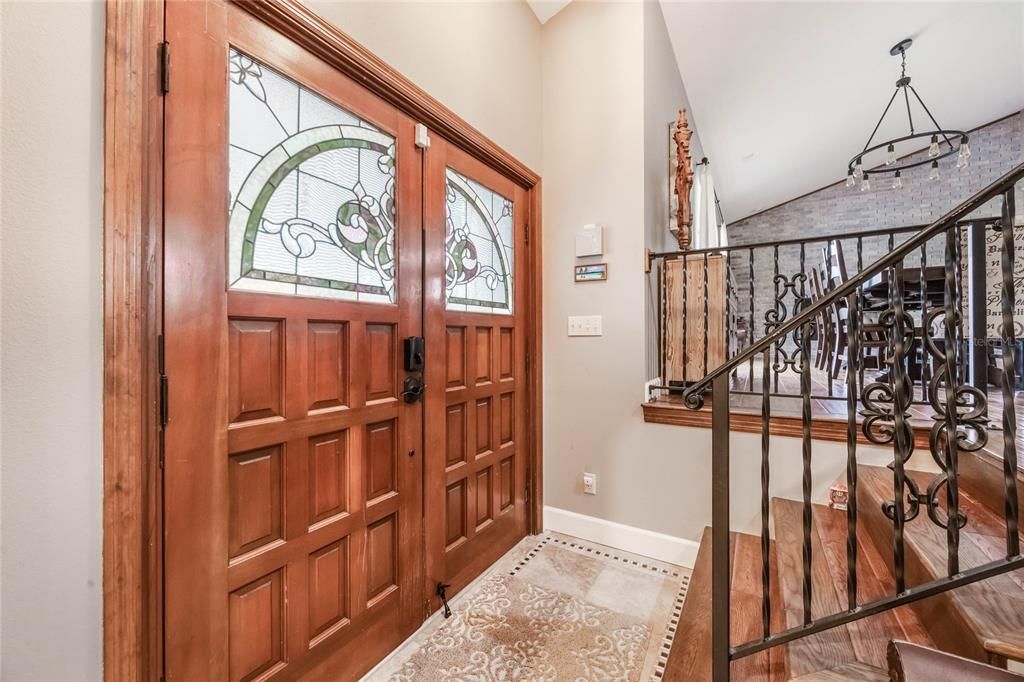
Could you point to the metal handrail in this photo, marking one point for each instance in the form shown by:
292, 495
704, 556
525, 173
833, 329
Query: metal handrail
693, 396
879, 232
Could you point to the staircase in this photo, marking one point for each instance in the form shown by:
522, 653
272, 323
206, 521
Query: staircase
983, 621
819, 593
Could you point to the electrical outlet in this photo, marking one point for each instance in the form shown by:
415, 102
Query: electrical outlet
589, 483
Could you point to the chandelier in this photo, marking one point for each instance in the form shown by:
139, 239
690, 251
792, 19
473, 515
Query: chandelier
942, 142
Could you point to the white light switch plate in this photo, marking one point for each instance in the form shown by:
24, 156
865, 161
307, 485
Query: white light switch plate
584, 325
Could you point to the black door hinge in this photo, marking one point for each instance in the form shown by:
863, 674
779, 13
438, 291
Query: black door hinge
527, 493
161, 381
527, 233
165, 67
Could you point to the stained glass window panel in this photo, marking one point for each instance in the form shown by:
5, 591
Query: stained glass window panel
312, 192
479, 247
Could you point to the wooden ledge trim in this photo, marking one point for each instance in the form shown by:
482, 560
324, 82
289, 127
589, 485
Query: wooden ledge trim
822, 428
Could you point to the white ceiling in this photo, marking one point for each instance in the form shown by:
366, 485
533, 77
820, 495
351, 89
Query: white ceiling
783, 94
545, 9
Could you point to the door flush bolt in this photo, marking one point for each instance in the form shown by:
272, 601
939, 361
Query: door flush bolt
442, 593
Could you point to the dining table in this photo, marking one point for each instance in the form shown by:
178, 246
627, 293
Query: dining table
876, 289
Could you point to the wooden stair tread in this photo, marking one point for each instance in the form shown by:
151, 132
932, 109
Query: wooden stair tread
690, 657
1009, 645
857, 672
985, 610
861, 642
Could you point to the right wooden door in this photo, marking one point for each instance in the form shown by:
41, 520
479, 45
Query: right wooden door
475, 296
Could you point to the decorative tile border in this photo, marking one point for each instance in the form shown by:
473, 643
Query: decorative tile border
596, 551
670, 629
529, 555
602, 551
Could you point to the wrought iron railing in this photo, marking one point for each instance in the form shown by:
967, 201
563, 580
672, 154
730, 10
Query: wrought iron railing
769, 282
959, 414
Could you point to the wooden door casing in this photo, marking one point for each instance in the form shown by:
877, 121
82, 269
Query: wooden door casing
293, 468
476, 399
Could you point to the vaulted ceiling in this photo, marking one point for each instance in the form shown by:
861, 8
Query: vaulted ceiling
545, 9
783, 94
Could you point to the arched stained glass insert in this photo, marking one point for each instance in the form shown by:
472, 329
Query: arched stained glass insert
312, 192
479, 247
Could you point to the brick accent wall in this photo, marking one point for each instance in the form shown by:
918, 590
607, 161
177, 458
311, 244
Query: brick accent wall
838, 211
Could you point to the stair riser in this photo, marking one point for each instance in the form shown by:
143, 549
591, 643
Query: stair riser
982, 474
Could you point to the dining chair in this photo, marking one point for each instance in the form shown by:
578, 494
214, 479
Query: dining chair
822, 326
834, 271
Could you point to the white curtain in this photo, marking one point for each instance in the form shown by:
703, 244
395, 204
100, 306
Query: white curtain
707, 232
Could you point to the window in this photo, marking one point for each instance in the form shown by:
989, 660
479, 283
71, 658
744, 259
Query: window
312, 192
479, 247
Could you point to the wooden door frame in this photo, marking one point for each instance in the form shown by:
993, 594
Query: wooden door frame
132, 297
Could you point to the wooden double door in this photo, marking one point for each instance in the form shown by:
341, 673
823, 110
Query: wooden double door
323, 471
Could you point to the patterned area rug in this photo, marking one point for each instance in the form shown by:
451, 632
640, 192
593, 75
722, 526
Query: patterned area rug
553, 608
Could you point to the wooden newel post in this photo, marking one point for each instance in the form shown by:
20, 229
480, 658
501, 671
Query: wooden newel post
684, 179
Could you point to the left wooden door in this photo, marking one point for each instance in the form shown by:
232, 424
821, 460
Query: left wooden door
293, 266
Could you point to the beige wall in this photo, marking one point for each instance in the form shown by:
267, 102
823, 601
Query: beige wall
479, 58
51, 121
651, 476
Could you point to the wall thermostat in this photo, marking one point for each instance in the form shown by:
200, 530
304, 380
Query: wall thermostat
589, 241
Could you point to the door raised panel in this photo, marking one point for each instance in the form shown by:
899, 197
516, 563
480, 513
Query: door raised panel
256, 629
506, 357
483, 355
381, 378
255, 496
456, 497
328, 365
328, 590
484, 497
506, 484
455, 431
506, 421
455, 356
328, 476
256, 356
380, 459
483, 426
381, 558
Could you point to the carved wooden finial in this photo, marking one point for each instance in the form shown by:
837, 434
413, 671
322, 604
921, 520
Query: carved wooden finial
684, 179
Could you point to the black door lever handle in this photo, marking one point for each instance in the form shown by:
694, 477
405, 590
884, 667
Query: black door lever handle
412, 389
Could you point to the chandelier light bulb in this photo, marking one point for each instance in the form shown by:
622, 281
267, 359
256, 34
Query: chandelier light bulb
858, 170
933, 148
891, 158
897, 181
865, 184
850, 180
934, 174
964, 155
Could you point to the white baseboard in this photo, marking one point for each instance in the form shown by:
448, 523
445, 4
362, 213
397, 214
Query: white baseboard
647, 543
